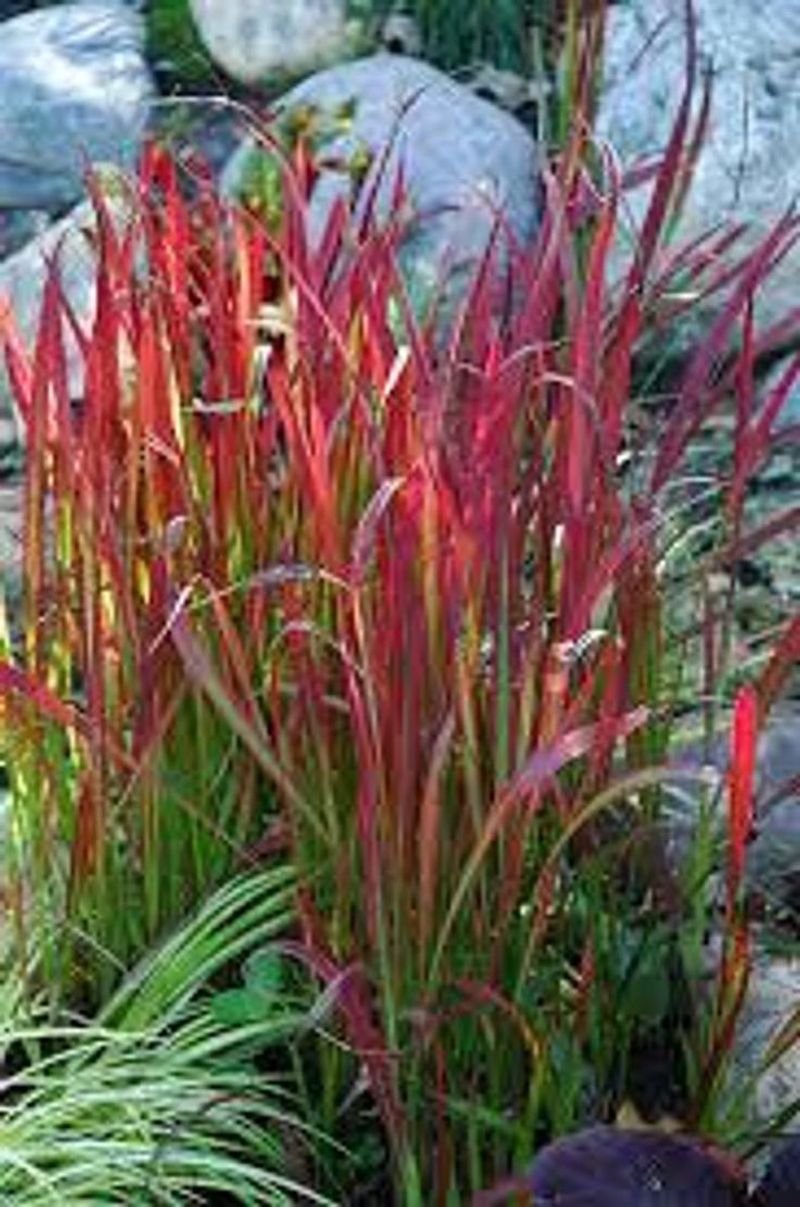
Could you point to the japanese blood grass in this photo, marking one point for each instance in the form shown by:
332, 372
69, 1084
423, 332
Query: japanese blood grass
323, 580
471, 674
131, 797
155, 1100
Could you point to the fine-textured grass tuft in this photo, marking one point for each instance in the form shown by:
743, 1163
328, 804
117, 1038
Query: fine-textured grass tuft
156, 1101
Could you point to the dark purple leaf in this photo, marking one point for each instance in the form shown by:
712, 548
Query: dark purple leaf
781, 1184
609, 1167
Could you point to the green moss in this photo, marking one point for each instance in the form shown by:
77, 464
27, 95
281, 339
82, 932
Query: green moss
174, 44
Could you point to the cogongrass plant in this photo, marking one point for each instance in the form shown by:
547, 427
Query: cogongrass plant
156, 1100
392, 598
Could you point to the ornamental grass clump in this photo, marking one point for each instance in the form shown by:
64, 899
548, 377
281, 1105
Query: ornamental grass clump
306, 578
156, 1100
131, 796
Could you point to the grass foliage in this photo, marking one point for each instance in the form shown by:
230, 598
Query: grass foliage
156, 1100
514, 35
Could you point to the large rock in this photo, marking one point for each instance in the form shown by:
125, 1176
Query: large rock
13, 8
790, 412
769, 1006
22, 281
773, 858
749, 168
74, 89
464, 161
251, 39
771, 1002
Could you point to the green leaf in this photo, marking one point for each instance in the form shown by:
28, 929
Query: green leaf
263, 974
648, 992
260, 996
238, 1007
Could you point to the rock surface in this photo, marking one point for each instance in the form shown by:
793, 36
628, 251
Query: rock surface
749, 168
22, 280
774, 859
75, 89
773, 862
790, 412
401, 34
12, 8
250, 39
781, 1186
772, 998
464, 161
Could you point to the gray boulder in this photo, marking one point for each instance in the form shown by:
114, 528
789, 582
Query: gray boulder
770, 1004
22, 280
251, 39
773, 860
11, 557
74, 89
13, 8
790, 412
464, 161
749, 168
401, 34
